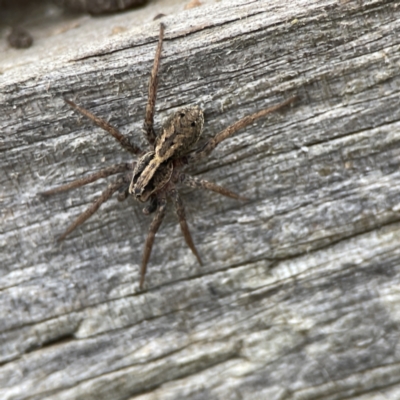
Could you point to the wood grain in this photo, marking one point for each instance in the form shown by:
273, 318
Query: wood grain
299, 297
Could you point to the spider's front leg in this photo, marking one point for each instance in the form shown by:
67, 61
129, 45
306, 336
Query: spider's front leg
123, 140
151, 101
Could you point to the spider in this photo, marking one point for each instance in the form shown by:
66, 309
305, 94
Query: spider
157, 173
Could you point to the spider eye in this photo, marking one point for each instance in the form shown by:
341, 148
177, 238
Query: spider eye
193, 124
181, 115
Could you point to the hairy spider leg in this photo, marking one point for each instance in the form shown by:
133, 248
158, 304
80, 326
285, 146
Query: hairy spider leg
123, 140
103, 173
105, 195
230, 130
151, 101
197, 183
154, 226
180, 211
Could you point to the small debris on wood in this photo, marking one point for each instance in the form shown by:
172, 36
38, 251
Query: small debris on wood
19, 38
66, 27
192, 4
158, 16
118, 29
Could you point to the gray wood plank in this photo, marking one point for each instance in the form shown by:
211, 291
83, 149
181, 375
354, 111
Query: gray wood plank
299, 295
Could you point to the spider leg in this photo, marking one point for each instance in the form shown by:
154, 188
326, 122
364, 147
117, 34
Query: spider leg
149, 118
180, 211
230, 130
123, 140
150, 208
155, 225
103, 173
112, 187
197, 183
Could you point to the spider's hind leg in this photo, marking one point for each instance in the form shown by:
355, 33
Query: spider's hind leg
197, 183
209, 146
155, 225
180, 211
103, 173
112, 188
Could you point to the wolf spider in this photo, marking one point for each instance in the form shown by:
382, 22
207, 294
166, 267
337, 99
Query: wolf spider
157, 173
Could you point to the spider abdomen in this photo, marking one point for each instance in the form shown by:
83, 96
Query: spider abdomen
160, 177
180, 133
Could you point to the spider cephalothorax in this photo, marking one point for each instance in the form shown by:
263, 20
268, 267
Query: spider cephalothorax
157, 173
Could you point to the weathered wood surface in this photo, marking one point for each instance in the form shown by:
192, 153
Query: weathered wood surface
300, 294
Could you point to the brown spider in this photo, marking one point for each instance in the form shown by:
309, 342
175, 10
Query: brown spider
157, 173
